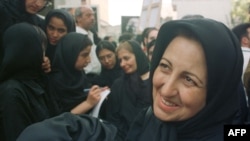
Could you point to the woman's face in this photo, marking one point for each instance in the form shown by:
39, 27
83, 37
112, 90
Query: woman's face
83, 58
127, 61
179, 81
34, 6
107, 58
55, 30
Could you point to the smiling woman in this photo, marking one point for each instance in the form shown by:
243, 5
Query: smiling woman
190, 79
191, 75
179, 87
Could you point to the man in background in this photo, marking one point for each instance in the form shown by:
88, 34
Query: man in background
85, 20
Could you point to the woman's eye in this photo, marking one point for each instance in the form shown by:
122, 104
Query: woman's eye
164, 66
189, 80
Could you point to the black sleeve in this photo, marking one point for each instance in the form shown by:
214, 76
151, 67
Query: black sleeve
69, 127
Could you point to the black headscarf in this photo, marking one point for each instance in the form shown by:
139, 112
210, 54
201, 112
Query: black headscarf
17, 42
67, 82
224, 68
67, 20
132, 83
12, 12
129, 94
107, 76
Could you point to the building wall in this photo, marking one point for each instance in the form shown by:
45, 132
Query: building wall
103, 15
215, 9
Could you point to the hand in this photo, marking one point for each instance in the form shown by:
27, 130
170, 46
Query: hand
46, 65
94, 95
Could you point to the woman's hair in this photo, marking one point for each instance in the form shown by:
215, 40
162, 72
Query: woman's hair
146, 32
44, 40
125, 45
104, 45
67, 19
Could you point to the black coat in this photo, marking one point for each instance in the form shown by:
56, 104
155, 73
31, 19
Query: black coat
66, 83
22, 102
23, 99
69, 127
129, 94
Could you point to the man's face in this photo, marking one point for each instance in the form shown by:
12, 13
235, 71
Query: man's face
34, 6
87, 20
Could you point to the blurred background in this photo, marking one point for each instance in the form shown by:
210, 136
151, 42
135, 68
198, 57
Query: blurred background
113, 17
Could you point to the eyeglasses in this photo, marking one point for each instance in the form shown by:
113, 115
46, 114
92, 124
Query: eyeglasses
42, 2
109, 56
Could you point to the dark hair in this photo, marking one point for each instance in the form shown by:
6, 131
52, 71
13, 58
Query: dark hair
106, 37
65, 16
241, 30
146, 32
43, 36
151, 44
125, 37
104, 45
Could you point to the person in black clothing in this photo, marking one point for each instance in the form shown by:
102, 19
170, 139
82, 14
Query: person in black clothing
67, 79
130, 92
17, 11
23, 99
191, 77
70, 127
57, 24
111, 69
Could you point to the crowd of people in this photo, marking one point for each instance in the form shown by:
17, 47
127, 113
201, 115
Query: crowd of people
183, 81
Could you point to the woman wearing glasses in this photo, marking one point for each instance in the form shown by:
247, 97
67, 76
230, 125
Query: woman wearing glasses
111, 69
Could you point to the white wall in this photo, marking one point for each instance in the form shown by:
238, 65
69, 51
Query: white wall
215, 9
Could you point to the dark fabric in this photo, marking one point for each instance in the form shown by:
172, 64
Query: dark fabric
224, 68
69, 23
23, 100
12, 12
129, 94
69, 127
108, 76
242, 115
67, 83
19, 42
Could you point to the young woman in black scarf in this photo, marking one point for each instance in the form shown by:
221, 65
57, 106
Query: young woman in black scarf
111, 69
67, 79
23, 99
130, 92
17, 11
196, 77
57, 24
